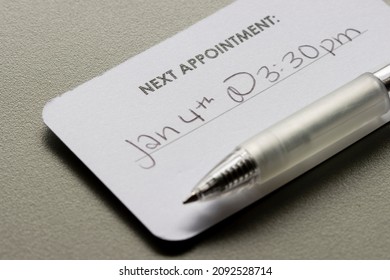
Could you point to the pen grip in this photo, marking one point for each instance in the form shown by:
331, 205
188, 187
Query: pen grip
320, 130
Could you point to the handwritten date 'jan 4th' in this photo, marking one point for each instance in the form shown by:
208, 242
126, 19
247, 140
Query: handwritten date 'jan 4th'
241, 87
156, 140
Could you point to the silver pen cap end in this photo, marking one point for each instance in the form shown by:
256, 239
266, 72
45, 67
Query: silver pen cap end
383, 74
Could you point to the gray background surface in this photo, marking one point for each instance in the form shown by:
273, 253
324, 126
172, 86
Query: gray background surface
53, 207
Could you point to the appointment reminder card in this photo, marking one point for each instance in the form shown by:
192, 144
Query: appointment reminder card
153, 126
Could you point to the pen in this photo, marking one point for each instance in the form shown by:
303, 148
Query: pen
301, 141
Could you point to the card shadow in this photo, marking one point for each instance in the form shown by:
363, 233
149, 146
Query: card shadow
260, 212
57, 147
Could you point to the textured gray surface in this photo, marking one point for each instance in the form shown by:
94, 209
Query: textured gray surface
52, 207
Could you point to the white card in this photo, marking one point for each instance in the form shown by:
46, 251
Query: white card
153, 126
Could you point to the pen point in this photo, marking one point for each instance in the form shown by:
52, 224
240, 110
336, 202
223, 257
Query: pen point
192, 198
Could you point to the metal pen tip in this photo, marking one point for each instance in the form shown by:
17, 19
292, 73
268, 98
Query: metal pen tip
192, 198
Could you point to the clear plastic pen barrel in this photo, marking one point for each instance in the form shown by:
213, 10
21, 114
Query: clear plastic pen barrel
317, 132
301, 141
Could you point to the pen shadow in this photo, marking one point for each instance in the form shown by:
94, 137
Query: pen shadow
263, 211
267, 209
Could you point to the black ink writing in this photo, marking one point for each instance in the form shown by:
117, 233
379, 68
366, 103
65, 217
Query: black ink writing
146, 144
240, 87
292, 60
